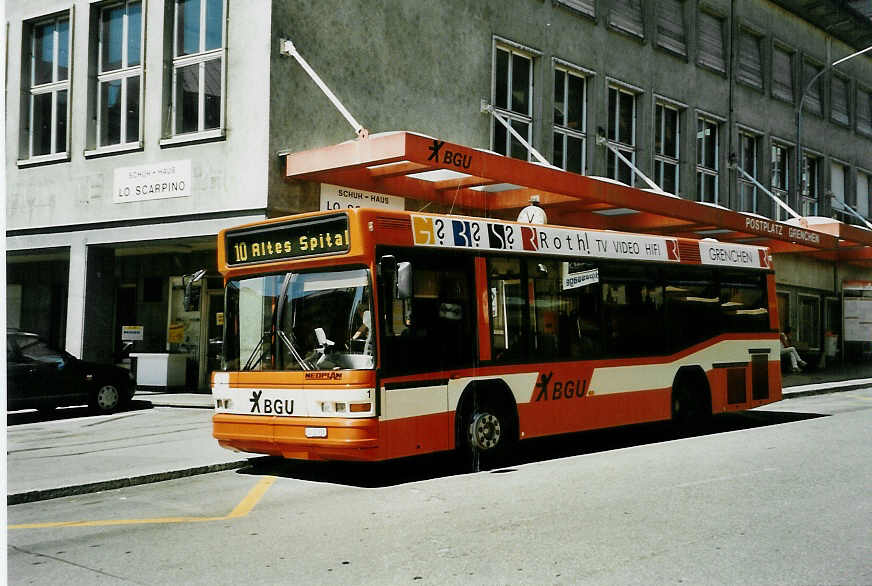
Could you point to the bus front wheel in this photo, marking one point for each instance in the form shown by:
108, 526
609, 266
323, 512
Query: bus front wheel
487, 435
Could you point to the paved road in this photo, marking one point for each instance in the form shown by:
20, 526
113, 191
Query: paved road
777, 496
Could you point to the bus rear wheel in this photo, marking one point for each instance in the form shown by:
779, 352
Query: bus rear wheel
690, 410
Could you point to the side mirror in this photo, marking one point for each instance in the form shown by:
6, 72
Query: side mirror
191, 301
404, 280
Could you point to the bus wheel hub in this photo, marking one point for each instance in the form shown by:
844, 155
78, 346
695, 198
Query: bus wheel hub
484, 431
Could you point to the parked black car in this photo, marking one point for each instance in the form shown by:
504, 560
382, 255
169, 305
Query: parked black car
41, 377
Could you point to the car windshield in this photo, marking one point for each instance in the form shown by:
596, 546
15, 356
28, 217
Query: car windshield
299, 321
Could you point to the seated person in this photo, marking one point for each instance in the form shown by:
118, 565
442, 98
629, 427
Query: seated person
788, 349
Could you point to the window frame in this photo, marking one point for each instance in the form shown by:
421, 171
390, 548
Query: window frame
715, 63
661, 158
864, 123
199, 58
809, 198
674, 44
702, 170
776, 86
843, 81
507, 112
781, 189
53, 88
746, 134
629, 150
749, 73
563, 130
124, 73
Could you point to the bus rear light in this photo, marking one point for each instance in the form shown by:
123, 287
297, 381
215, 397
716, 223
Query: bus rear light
360, 407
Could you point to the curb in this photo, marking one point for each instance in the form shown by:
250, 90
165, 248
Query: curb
53, 493
824, 388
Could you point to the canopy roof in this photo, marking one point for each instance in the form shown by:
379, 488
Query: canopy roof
432, 170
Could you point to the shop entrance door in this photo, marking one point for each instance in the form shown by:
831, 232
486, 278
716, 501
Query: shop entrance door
214, 334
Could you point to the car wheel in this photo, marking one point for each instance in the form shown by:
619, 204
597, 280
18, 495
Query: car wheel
107, 398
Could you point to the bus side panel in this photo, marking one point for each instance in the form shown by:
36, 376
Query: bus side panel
422, 434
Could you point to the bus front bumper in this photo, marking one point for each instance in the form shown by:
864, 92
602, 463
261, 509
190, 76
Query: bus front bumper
302, 438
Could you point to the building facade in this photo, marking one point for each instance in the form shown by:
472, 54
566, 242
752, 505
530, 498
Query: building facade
136, 129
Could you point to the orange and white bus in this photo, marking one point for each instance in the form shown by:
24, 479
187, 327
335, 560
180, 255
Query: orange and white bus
374, 334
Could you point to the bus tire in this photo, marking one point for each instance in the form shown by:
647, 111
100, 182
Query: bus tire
691, 400
486, 430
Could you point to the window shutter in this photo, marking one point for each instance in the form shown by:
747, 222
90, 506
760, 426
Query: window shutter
626, 15
584, 6
750, 68
711, 41
782, 74
670, 26
813, 95
864, 111
839, 90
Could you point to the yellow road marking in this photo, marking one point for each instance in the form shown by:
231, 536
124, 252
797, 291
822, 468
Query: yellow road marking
242, 509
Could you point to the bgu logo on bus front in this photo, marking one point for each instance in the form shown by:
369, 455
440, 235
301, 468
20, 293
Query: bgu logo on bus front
270, 406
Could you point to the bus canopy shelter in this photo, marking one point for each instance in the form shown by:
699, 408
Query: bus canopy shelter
485, 183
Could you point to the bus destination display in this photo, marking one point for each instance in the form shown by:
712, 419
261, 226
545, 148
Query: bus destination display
324, 235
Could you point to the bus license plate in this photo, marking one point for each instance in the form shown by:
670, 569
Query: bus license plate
316, 432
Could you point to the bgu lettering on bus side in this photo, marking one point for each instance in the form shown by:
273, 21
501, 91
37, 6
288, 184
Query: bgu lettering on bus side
565, 389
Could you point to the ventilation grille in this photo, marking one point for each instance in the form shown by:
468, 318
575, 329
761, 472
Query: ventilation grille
689, 252
736, 385
760, 377
394, 224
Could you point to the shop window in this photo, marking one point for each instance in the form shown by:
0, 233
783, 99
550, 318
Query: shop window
808, 328
667, 141
198, 80
513, 99
622, 134
710, 41
570, 104
45, 72
707, 160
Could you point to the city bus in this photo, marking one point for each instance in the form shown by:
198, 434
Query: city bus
368, 334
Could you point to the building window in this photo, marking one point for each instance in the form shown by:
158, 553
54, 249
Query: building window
666, 147
707, 160
622, 134
513, 99
782, 74
810, 177
626, 16
839, 98
813, 95
864, 111
748, 163
198, 66
864, 194
587, 7
670, 26
570, 105
711, 42
750, 62
119, 74
839, 189
780, 177
49, 86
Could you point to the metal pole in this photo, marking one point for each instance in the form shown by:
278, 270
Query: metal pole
485, 107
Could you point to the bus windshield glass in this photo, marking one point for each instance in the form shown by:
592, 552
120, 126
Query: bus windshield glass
299, 321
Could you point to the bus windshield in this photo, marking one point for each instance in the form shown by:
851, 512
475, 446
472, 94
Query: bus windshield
299, 321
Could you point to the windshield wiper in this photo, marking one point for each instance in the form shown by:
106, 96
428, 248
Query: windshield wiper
292, 348
257, 352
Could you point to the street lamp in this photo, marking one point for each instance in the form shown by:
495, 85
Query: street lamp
799, 172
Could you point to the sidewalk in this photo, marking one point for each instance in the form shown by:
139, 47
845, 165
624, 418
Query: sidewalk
57, 458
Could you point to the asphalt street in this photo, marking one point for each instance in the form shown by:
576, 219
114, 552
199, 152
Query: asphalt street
778, 495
